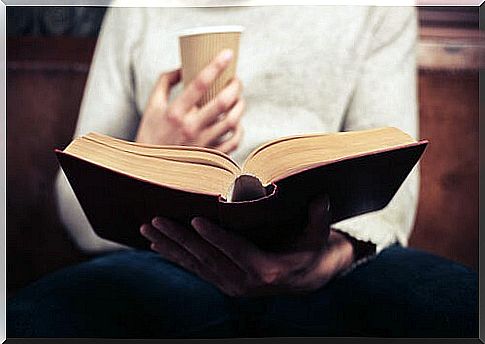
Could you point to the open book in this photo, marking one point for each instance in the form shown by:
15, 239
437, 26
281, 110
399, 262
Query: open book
122, 184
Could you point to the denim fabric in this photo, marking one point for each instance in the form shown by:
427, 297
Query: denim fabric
137, 294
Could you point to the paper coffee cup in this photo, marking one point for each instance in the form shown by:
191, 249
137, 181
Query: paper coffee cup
199, 46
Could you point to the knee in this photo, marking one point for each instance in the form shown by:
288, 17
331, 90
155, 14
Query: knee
416, 294
19, 316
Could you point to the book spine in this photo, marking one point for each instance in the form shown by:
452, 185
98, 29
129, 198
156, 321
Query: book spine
268, 221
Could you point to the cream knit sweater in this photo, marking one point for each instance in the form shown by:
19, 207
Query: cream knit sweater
304, 69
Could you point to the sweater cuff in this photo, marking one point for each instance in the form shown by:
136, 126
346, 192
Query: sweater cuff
373, 228
363, 251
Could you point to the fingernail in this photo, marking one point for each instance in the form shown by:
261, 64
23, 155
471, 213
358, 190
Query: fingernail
142, 229
157, 222
226, 55
195, 222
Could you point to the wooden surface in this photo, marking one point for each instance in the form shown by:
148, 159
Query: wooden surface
448, 16
45, 81
450, 50
447, 219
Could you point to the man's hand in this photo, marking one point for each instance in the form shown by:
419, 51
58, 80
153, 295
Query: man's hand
239, 268
183, 123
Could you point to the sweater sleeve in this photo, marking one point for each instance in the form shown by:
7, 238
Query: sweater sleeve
385, 95
108, 107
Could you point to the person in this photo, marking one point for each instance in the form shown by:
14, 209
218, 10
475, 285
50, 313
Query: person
304, 69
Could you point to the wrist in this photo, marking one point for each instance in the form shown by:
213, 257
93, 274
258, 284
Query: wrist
359, 249
343, 249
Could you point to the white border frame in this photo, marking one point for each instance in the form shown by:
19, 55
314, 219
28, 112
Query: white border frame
147, 3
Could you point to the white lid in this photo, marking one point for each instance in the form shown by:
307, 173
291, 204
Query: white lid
210, 29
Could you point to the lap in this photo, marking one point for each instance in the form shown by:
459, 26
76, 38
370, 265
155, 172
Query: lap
124, 294
401, 292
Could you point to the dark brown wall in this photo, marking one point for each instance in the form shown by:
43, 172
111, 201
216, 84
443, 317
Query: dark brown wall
45, 81
447, 219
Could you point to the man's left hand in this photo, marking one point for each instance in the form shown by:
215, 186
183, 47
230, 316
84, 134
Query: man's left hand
239, 268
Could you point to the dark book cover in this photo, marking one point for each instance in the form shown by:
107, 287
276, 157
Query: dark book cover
116, 204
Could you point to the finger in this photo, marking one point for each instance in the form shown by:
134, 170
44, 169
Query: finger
174, 253
318, 228
189, 240
212, 135
196, 121
233, 142
239, 250
150, 233
316, 233
319, 216
209, 256
161, 91
222, 103
328, 265
199, 86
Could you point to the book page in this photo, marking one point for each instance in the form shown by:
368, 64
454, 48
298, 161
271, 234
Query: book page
291, 155
189, 154
191, 176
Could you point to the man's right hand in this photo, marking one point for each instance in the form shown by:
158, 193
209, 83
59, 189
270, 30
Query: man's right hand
182, 122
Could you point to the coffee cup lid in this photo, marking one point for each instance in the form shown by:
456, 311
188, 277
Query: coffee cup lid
210, 29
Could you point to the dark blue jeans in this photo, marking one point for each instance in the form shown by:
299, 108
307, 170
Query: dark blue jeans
137, 294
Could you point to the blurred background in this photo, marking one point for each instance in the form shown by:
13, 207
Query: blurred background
54, 21
49, 50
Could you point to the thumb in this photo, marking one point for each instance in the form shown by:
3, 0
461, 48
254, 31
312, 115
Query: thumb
161, 91
319, 218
